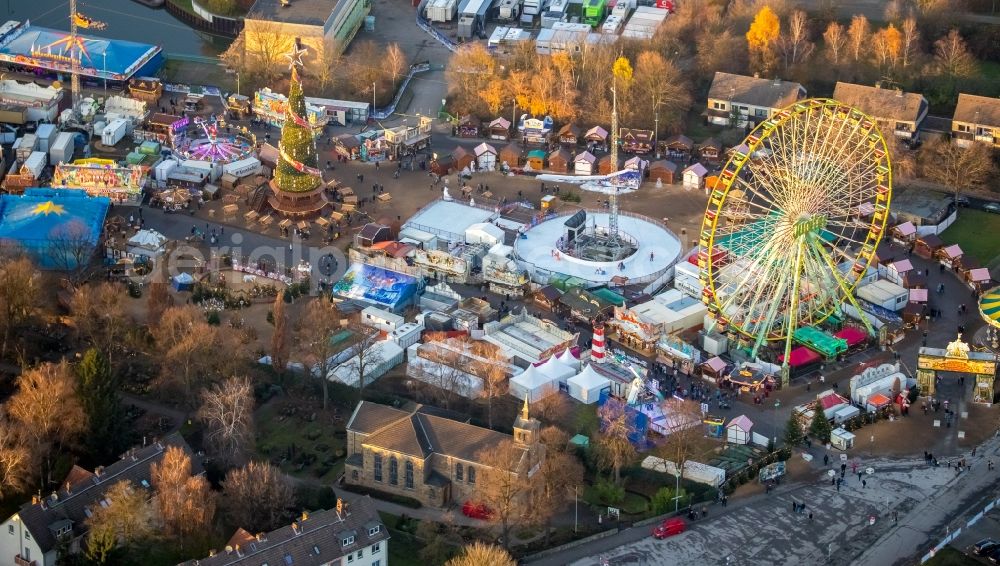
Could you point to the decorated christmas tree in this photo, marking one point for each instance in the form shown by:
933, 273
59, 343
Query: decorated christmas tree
297, 170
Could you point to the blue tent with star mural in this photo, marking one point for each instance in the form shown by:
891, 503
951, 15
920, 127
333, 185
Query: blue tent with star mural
58, 228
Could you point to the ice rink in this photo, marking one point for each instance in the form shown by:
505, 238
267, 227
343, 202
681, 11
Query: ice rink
537, 249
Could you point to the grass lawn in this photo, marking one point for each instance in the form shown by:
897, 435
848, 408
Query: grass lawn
318, 451
968, 232
951, 557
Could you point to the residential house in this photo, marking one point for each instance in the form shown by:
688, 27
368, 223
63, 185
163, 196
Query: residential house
420, 454
353, 533
899, 114
739, 100
977, 118
49, 525
317, 24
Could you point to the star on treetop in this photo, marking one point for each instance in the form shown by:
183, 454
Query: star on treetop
295, 56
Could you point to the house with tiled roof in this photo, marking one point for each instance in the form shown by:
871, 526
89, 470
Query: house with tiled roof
976, 118
38, 531
424, 454
899, 114
739, 100
352, 534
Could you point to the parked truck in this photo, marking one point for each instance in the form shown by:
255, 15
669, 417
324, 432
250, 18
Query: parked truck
509, 10
441, 10
594, 11
114, 132
532, 7
35, 164
46, 133
61, 149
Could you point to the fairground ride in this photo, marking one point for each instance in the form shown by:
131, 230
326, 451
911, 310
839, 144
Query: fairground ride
786, 216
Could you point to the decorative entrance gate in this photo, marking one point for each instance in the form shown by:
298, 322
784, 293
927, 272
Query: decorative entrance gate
958, 358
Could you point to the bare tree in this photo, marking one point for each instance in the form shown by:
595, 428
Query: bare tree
835, 39
266, 43
481, 554
280, 345
503, 486
15, 458
659, 90
71, 247
794, 43
19, 296
962, 168
495, 373
449, 371
367, 68
367, 352
186, 503
98, 313
395, 63
911, 40
128, 517
685, 434
723, 51
157, 302
257, 497
315, 339
227, 411
189, 348
559, 474
326, 64
952, 58
858, 37
614, 448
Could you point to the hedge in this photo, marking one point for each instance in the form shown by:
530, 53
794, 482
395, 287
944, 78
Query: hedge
383, 495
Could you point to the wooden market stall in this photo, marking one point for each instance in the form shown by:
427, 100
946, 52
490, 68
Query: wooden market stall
663, 171
486, 157
979, 279
710, 149
568, 135
903, 234
443, 165
605, 166
927, 246
677, 147
713, 369
583, 163
468, 127
462, 158
547, 297
950, 256
499, 129
559, 160
511, 155
634, 140
596, 138
536, 160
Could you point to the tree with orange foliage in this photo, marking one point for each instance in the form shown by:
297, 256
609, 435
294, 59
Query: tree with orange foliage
185, 503
764, 32
887, 46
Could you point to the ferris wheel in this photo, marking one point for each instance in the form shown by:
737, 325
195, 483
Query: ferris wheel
792, 224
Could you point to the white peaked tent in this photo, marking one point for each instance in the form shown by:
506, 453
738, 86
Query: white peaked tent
586, 386
533, 384
569, 359
557, 370
484, 233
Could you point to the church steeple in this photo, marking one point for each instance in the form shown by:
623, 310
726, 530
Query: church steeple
526, 429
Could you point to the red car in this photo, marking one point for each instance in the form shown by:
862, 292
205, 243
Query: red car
476, 510
669, 528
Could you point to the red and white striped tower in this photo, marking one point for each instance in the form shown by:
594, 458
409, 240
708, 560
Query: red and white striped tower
597, 346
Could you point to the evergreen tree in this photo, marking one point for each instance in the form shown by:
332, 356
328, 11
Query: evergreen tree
297, 170
98, 390
820, 427
793, 432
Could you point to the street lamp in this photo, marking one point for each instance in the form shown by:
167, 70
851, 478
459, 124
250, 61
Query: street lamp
105, 55
373, 98
237, 83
